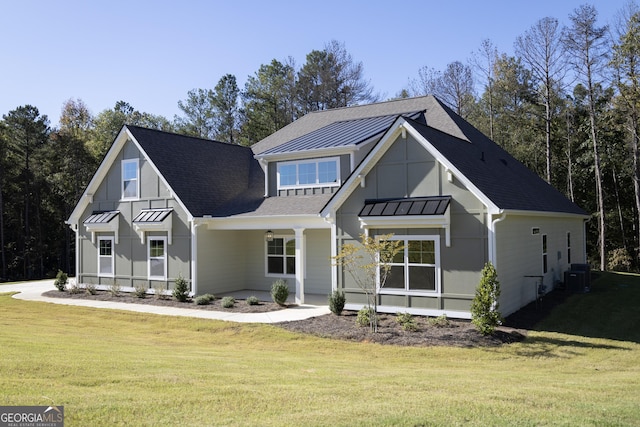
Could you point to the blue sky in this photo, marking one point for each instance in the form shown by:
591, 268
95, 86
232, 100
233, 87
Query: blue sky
151, 53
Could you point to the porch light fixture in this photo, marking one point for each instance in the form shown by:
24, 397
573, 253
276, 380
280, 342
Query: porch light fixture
268, 236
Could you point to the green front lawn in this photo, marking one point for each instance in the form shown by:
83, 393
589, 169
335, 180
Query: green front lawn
117, 368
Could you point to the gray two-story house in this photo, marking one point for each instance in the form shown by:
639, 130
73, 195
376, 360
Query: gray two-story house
230, 218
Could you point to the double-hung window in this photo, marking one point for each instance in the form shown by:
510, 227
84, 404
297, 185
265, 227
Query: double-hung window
415, 269
309, 173
130, 179
281, 256
105, 256
157, 247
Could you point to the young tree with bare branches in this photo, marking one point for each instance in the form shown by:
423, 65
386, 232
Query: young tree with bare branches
587, 46
542, 50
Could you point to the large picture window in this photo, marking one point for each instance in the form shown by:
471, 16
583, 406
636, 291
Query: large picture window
281, 256
309, 173
130, 179
157, 258
415, 269
105, 256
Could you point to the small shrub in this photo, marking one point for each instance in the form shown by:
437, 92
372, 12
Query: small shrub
228, 302
440, 321
140, 291
204, 299
181, 289
75, 289
159, 292
61, 281
484, 308
336, 302
91, 289
201, 300
280, 292
364, 316
407, 322
253, 300
115, 290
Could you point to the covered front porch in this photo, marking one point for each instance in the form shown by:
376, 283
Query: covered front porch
245, 256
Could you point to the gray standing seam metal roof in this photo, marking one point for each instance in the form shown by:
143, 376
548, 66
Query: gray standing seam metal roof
311, 122
152, 215
340, 134
436, 205
101, 217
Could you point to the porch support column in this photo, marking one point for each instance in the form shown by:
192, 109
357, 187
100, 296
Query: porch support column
300, 256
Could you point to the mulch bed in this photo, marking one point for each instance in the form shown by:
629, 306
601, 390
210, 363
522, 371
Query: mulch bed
457, 333
241, 306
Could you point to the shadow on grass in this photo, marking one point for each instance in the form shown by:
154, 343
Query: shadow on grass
610, 310
558, 348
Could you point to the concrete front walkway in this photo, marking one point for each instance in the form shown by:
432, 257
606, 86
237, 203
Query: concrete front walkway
32, 291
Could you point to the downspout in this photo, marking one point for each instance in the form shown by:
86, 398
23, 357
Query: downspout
584, 241
76, 228
492, 238
334, 253
194, 255
265, 168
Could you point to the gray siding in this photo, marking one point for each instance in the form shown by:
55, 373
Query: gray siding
519, 254
130, 267
318, 277
408, 170
223, 264
272, 173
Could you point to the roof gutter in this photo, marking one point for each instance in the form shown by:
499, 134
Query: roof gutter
318, 152
554, 214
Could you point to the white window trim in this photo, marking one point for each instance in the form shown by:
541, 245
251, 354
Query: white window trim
287, 237
569, 247
123, 163
438, 274
112, 256
297, 163
164, 257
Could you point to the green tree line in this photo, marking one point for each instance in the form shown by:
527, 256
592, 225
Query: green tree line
566, 104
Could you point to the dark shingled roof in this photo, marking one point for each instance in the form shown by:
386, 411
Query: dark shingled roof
504, 180
204, 174
219, 179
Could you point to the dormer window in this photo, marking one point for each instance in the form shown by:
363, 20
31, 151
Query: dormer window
130, 179
309, 173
